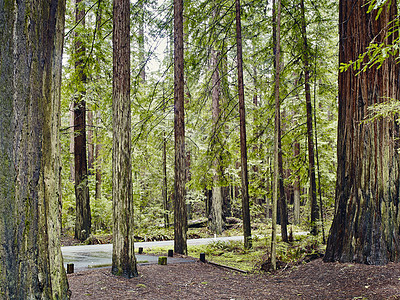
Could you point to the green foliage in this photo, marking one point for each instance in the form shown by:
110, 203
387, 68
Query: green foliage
208, 25
385, 109
377, 53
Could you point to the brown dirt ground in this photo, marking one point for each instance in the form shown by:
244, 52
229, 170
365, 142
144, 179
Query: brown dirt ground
315, 280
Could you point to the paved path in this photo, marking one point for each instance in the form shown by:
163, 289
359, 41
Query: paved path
94, 256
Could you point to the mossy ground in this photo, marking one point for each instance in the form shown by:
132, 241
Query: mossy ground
233, 254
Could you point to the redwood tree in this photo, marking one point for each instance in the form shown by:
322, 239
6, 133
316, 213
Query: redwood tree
310, 138
83, 216
217, 220
366, 225
277, 137
282, 216
31, 43
243, 145
123, 258
180, 221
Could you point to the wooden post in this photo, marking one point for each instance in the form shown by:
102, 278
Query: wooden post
70, 268
162, 260
203, 257
170, 253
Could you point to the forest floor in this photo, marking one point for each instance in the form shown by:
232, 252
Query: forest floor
313, 280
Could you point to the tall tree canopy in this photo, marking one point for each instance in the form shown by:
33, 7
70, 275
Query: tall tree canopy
211, 137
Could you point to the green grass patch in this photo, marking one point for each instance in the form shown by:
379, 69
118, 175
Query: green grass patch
232, 253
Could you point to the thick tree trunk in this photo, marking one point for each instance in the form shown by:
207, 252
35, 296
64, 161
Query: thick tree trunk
123, 259
366, 225
31, 264
311, 163
83, 216
243, 145
180, 220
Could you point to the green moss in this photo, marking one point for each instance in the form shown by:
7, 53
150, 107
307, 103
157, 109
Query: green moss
9, 5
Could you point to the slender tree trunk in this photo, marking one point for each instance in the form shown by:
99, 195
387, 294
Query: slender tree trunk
217, 199
243, 145
165, 182
180, 219
282, 217
366, 224
90, 142
321, 208
276, 136
31, 264
141, 43
97, 158
296, 188
71, 141
311, 163
97, 121
123, 259
164, 188
83, 216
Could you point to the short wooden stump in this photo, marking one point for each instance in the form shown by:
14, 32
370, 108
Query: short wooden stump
162, 260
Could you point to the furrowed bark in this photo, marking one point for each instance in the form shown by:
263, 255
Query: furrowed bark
310, 138
31, 35
366, 225
276, 137
83, 215
243, 145
217, 197
123, 259
180, 220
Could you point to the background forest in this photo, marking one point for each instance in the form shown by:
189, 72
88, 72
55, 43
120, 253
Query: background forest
212, 128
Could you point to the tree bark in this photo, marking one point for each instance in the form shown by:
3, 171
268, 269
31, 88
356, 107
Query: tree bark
366, 225
276, 135
243, 145
90, 142
141, 44
83, 215
97, 157
71, 142
180, 219
165, 182
123, 259
217, 221
296, 188
282, 217
282, 205
310, 144
97, 122
31, 264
